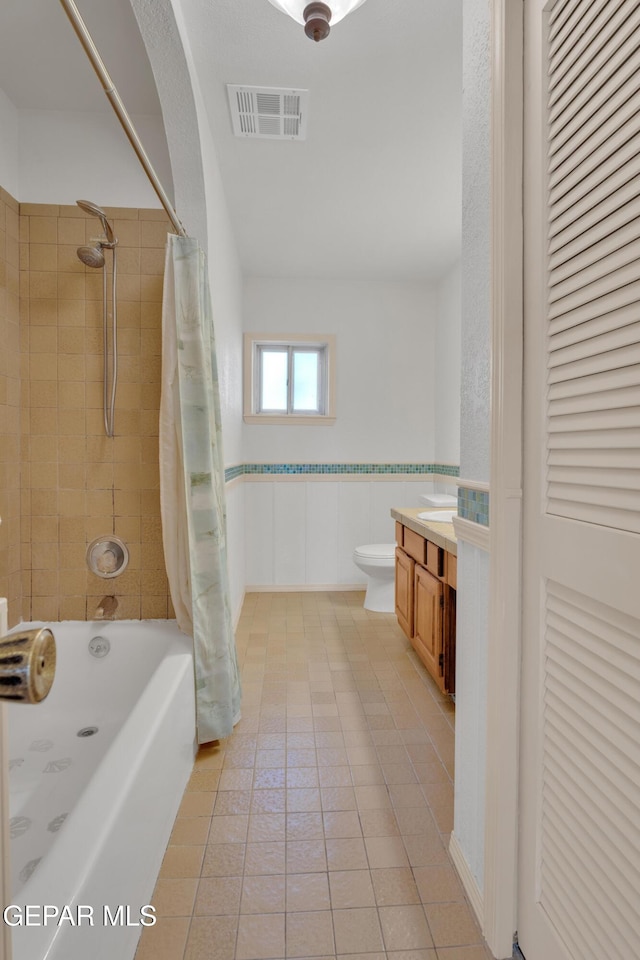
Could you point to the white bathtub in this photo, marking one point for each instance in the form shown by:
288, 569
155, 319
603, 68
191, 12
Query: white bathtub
91, 815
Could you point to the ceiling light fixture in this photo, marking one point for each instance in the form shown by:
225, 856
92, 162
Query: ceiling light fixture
317, 16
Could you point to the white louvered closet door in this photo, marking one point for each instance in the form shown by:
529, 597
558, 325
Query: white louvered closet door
579, 875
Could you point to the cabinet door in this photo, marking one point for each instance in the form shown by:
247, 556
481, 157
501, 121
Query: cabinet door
404, 591
428, 623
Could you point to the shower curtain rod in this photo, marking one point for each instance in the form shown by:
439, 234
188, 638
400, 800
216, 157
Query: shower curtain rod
113, 96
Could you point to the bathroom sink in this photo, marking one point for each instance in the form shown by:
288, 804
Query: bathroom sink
440, 516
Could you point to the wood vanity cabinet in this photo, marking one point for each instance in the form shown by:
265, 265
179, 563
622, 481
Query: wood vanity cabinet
425, 602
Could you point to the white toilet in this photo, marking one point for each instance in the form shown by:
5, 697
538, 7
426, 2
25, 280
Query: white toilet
377, 561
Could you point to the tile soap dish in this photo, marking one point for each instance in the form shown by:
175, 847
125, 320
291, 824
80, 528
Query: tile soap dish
107, 557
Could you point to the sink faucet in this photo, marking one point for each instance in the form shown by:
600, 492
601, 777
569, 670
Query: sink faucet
106, 609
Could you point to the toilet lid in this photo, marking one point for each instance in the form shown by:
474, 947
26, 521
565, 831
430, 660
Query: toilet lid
379, 551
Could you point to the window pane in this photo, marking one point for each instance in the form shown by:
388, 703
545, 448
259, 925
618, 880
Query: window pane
273, 392
305, 380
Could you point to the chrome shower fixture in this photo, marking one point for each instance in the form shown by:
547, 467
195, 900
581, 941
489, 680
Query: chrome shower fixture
93, 256
95, 211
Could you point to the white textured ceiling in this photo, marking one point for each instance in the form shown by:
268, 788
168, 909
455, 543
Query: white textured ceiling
374, 191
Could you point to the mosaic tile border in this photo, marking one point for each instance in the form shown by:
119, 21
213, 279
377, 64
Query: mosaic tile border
289, 469
473, 505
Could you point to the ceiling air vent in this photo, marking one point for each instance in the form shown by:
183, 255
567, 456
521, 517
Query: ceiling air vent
270, 113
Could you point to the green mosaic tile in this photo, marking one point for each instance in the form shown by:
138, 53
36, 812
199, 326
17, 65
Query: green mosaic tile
386, 469
473, 505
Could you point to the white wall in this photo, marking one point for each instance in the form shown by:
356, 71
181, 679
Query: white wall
476, 242
473, 564
69, 155
54, 156
9, 159
198, 187
447, 368
225, 282
385, 342
303, 532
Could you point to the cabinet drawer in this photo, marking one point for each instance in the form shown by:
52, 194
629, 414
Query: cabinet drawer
435, 559
399, 534
415, 545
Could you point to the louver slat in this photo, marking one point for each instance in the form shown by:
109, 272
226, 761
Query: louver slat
598, 373
605, 516
596, 290
583, 12
598, 442
563, 251
590, 58
565, 335
619, 305
605, 100
598, 176
596, 32
628, 397
590, 838
600, 937
593, 312
628, 459
575, 345
570, 865
600, 127
597, 496
559, 14
590, 268
620, 46
603, 144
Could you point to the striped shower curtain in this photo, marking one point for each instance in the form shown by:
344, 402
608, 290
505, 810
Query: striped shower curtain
192, 496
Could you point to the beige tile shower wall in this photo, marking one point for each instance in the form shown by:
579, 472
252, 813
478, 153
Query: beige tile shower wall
10, 561
77, 483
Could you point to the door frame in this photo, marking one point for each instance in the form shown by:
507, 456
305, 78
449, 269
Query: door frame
5, 843
5, 872
505, 591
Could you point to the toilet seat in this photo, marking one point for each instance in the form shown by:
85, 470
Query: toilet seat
376, 551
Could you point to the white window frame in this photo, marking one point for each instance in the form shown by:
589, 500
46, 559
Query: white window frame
256, 344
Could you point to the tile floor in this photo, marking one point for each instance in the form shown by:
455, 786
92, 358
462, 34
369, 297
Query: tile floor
320, 827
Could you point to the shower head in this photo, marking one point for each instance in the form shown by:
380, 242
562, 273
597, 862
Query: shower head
91, 256
95, 211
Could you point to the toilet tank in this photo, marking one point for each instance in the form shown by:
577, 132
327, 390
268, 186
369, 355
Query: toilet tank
439, 499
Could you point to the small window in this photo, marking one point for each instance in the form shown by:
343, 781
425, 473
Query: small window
289, 381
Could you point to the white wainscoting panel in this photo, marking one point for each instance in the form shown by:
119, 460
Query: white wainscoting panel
354, 527
259, 529
322, 532
472, 617
301, 532
289, 542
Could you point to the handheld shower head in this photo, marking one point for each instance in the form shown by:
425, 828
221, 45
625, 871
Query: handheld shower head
91, 256
95, 211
